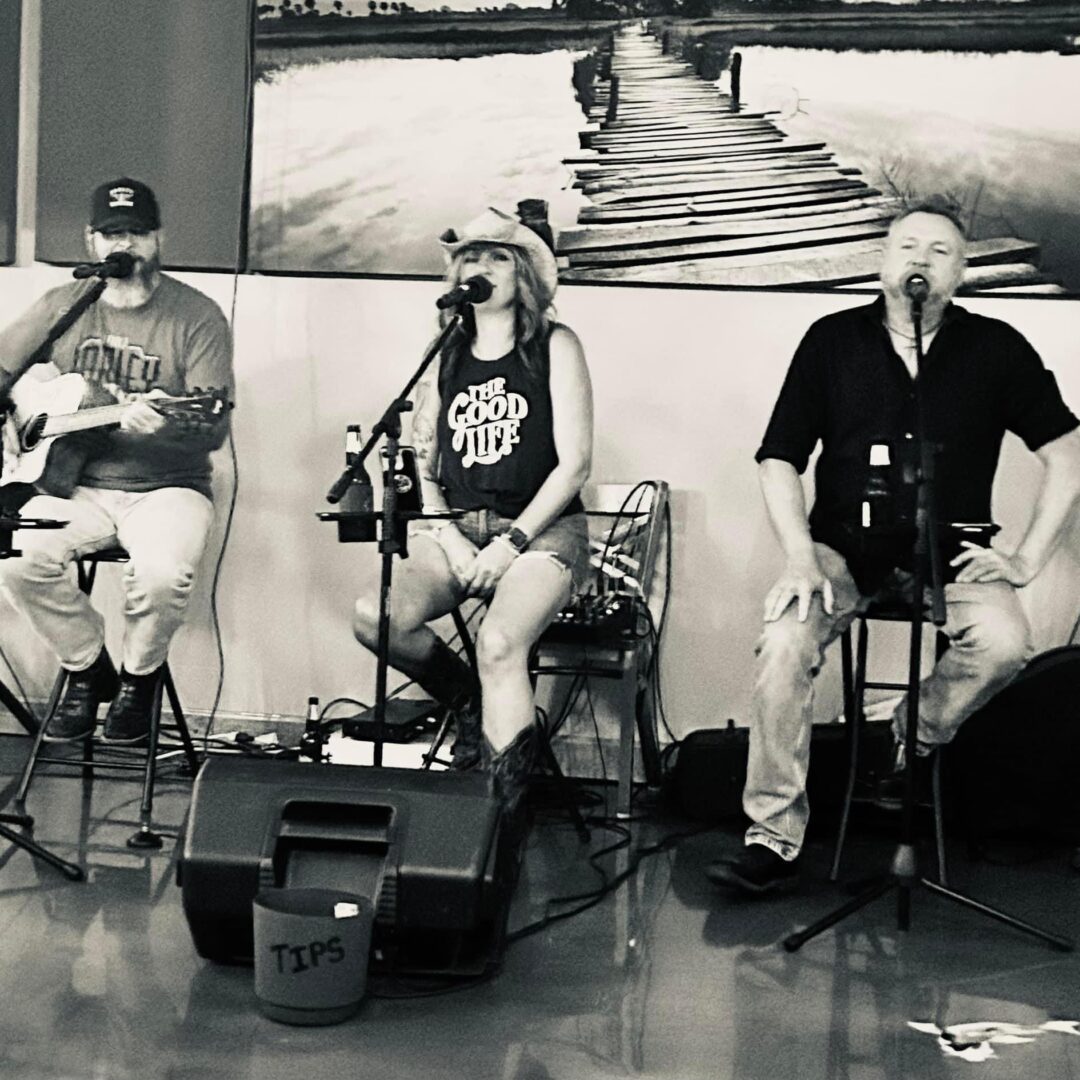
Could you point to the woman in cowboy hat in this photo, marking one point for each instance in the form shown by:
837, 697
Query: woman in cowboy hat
503, 431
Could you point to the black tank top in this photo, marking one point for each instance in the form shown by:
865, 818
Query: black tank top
496, 446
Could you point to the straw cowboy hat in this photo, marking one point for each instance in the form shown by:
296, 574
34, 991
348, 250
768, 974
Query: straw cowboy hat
495, 227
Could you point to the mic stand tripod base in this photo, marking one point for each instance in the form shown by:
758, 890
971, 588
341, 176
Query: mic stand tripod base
904, 885
903, 872
69, 870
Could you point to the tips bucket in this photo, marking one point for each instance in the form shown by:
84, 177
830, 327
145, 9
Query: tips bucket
311, 954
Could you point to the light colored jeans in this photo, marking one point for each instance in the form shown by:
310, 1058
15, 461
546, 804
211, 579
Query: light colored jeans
164, 532
989, 643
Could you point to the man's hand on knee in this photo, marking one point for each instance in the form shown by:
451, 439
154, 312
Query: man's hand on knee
985, 564
799, 581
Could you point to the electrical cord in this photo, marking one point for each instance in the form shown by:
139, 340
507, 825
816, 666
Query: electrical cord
215, 617
587, 900
239, 261
639, 489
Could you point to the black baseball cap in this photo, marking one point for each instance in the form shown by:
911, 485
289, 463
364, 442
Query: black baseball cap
124, 203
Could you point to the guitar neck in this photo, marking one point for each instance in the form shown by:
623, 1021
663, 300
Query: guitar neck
100, 416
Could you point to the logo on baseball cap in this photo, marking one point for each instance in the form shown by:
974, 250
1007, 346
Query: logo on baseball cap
124, 204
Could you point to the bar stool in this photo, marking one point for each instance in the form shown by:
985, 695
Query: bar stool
121, 758
855, 685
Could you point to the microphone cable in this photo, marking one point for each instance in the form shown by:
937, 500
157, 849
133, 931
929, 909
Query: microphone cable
239, 266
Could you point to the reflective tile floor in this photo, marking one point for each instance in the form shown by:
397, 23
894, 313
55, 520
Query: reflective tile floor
664, 978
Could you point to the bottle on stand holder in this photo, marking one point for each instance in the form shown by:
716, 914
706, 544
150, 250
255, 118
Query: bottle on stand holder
359, 497
877, 508
311, 742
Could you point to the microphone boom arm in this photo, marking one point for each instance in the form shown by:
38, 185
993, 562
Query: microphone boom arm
55, 332
390, 422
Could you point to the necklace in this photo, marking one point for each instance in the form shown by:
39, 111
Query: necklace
911, 337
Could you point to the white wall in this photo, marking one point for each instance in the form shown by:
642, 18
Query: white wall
684, 381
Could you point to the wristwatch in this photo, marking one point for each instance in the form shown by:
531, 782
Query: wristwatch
516, 538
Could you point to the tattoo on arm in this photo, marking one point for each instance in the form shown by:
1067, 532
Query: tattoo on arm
424, 434
423, 437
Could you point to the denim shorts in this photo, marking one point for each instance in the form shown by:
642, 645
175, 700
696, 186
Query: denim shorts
566, 540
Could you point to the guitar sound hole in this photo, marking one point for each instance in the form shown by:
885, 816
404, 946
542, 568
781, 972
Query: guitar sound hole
32, 432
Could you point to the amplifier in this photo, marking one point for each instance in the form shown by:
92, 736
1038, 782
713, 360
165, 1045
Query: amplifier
425, 847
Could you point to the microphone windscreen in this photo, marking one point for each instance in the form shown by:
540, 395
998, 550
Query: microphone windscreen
917, 287
479, 289
124, 263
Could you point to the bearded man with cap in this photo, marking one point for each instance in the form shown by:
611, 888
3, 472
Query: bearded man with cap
503, 431
850, 387
146, 487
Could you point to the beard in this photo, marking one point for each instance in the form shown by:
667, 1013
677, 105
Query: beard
144, 273
145, 270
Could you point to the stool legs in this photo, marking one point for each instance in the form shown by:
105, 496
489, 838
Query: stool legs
854, 689
145, 837
854, 717
939, 823
851, 737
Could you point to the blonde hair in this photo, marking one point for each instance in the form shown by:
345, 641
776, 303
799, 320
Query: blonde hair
533, 312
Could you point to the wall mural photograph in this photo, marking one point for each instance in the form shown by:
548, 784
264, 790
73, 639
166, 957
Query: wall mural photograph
755, 143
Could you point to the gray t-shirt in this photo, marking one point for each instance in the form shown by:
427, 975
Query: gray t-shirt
177, 341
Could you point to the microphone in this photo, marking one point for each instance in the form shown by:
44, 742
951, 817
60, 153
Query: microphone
917, 288
119, 264
474, 290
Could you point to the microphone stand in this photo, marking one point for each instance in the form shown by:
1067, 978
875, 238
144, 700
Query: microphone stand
392, 533
58, 329
904, 873
9, 522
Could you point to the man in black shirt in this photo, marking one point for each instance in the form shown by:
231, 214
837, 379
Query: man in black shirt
851, 386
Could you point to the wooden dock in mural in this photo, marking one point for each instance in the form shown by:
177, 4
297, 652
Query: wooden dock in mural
688, 186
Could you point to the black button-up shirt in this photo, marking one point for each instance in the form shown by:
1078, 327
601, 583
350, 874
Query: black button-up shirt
847, 388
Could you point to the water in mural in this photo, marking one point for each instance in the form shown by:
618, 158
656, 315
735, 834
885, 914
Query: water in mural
1000, 130
361, 160
360, 164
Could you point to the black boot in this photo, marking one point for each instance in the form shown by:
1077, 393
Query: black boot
443, 675
510, 769
450, 681
466, 751
75, 716
127, 722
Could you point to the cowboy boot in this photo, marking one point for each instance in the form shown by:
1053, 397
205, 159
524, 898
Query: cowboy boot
442, 674
509, 770
467, 749
450, 681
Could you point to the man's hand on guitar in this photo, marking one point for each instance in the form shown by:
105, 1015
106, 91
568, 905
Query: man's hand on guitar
141, 418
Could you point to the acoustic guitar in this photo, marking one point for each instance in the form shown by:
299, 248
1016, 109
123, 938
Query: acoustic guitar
54, 427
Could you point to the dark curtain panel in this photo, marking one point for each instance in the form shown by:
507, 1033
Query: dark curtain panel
9, 124
150, 89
